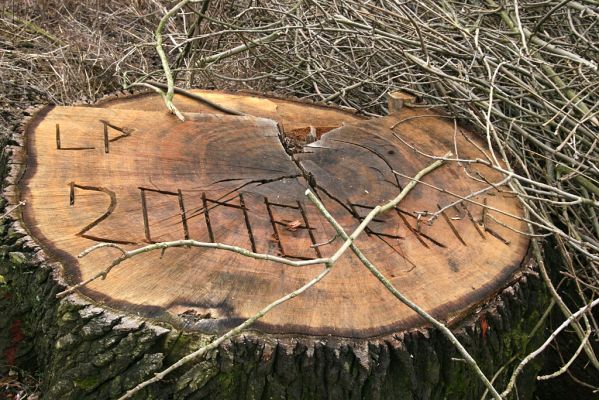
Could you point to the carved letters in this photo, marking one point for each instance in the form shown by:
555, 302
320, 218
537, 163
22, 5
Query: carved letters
124, 132
385, 229
97, 221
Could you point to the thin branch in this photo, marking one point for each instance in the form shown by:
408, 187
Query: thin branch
180, 243
329, 262
241, 48
170, 92
13, 208
538, 351
199, 98
436, 214
429, 318
567, 365
331, 240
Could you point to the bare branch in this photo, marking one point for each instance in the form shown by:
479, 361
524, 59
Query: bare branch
538, 351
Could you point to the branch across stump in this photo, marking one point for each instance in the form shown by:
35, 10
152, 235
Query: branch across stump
131, 177
128, 175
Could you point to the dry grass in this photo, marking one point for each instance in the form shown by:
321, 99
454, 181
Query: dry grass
18, 385
64, 52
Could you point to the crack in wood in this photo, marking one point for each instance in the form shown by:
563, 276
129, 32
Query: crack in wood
368, 230
144, 209
483, 220
199, 211
399, 252
376, 153
497, 236
283, 223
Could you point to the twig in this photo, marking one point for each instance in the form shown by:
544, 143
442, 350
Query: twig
241, 48
34, 28
436, 214
539, 324
331, 240
13, 208
544, 101
430, 319
329, 262
538, 351
565, 367
507, 173
179, 243
586, 183
199, 98
536, 251
444, 330
170, 92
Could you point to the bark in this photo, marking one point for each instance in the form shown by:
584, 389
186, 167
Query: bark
87, 352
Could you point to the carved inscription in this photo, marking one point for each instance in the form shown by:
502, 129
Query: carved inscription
300, 223
134, 177
144, 207
124, 132
357, 210
392, 228
385, 228
208, 204
113, 201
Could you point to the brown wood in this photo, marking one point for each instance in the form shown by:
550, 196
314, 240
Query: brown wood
130, 173
398, 100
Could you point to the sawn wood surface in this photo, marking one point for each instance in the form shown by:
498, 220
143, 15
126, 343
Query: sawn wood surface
130, 173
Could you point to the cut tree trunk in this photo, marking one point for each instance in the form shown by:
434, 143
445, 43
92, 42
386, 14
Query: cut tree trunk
128, 173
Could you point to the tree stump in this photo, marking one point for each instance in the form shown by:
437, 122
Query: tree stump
128, 173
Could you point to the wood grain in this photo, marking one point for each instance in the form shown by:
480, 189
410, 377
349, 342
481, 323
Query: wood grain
130, 173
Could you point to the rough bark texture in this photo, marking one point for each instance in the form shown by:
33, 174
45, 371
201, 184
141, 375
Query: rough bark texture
87, 351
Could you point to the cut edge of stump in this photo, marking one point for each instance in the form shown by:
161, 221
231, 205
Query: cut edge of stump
468, 320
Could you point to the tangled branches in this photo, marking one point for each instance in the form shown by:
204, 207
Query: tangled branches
524, 74
65, 52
